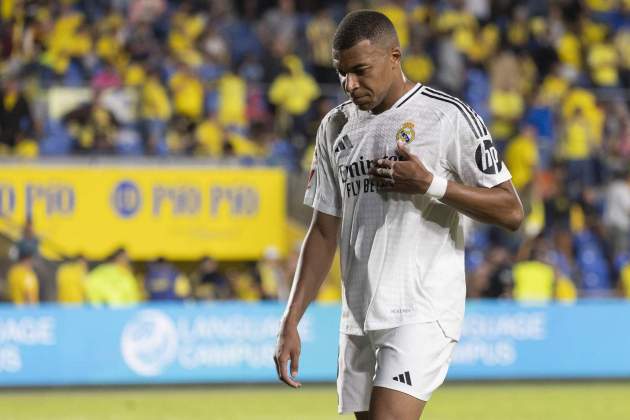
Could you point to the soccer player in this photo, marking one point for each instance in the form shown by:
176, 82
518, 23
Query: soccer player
394, 169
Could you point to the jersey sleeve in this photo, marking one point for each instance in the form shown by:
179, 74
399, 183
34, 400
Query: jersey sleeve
322, 189
471, 153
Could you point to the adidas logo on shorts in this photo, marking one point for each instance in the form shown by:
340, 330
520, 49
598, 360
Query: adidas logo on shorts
405, 378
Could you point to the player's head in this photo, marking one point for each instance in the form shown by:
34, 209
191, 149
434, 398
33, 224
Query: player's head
366, 54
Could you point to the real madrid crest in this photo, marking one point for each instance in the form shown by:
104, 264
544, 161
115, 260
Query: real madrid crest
406, 133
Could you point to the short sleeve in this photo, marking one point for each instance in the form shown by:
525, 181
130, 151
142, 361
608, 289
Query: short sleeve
322, 189
471, 153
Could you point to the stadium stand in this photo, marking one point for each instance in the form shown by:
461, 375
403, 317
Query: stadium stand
251, 80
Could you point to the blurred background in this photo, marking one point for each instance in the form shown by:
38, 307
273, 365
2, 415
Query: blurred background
154, 155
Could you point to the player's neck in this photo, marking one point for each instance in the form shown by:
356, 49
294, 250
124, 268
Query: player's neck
396, 92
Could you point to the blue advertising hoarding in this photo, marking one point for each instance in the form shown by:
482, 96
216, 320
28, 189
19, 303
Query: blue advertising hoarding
234, 342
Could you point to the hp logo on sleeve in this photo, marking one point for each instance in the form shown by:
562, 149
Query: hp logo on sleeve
487, 158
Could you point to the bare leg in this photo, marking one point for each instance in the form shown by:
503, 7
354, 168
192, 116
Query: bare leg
389, 404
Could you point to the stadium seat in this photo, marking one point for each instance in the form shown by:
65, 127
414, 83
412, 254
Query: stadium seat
129, 142
477, 92
542, 118
56, 141
479, 238
472, 259
592, 264
73, 76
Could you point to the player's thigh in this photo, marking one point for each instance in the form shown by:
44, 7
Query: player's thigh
355, 373
412, 362
389, 404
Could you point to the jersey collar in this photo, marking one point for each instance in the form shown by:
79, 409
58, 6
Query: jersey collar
400, 100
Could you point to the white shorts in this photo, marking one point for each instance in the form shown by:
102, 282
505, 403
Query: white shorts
411, 358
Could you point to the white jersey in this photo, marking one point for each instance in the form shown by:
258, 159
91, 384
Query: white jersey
402, 255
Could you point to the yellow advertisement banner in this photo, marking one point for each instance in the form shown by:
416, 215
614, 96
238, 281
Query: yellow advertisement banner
178, 212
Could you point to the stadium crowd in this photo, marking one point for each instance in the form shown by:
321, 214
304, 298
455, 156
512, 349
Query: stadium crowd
251, 80
117, 281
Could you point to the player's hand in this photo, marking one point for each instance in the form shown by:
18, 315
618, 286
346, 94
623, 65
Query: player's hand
407, 175
288, 349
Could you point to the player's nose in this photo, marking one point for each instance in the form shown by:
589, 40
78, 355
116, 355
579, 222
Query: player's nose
352, 83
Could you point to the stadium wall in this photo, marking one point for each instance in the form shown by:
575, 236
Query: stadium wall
234, 342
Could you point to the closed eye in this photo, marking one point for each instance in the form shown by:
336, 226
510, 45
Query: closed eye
359, 71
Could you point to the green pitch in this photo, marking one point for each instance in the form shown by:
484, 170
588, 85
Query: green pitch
558, 401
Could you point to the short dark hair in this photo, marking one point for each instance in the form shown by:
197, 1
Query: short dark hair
363, 24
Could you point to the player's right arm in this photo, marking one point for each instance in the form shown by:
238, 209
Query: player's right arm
313, 265
318, 249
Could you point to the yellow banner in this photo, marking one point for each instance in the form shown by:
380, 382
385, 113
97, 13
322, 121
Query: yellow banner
177, 212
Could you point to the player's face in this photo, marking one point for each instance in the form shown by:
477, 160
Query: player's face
365, 72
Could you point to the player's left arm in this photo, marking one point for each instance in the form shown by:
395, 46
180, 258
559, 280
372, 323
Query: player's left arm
498, 205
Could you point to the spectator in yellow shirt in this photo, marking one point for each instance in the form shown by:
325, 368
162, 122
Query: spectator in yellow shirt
603, 61
507, 107
417, 65
70, 278
624, 281
156, 110
534, 278
399, 17
569, 49
113, 283
584, 101
232, 91
244, 284
293, 93
576, 148
188, 93
241, 146
553, 88
622, 44
209, 137
565, 290
506, 100
23, 282
521, 156
319, 33
577, 142
601, 6
62, 40
180, 137
273, 277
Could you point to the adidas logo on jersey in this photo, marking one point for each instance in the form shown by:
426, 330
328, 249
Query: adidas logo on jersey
343, 144
405, 378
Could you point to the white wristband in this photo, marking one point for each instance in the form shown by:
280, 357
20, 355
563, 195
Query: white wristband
437, 189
